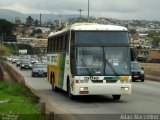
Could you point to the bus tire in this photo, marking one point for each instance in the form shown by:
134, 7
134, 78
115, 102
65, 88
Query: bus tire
54, 88
116, 97
69, 94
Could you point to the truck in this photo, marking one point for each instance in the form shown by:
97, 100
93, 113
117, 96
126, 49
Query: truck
148, 55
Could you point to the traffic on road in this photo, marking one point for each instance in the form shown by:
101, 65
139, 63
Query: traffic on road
144, 95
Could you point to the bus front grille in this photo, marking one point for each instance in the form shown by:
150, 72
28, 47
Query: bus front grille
97, 81
111, 81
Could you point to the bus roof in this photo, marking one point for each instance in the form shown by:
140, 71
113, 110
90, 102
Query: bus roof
90, 27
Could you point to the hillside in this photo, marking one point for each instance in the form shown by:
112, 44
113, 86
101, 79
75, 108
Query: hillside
10, 15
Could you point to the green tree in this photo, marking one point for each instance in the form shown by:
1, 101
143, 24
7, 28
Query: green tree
156, 42
6, 27
132, 31
155, 39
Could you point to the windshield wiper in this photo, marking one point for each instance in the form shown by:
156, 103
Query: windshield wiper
86, 67
106, 61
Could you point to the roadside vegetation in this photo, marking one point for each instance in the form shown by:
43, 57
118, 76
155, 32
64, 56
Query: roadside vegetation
4, 50
19, 102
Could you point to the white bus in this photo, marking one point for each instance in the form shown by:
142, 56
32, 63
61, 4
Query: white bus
90, 59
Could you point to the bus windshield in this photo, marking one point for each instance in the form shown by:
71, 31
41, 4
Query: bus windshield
102, 61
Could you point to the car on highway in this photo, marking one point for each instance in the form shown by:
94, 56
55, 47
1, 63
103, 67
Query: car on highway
39, 69
25, 64
18, 62
33, 60
14, 60
137, 71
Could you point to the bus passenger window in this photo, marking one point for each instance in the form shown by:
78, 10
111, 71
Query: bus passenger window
56, 44
52, 44
48, 45
59, 44
63, 43
67, 43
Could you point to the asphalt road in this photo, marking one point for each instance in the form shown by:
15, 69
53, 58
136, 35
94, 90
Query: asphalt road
145, 99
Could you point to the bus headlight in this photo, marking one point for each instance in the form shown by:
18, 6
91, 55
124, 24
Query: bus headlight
125, 88
83, 88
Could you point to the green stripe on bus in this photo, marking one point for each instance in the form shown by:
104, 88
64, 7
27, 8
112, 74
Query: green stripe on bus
61, 70
112, 78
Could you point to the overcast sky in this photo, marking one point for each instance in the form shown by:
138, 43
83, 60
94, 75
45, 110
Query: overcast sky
120, 9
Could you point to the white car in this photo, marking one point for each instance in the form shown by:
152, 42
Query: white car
39, 69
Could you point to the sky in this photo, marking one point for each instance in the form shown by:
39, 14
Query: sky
118, 9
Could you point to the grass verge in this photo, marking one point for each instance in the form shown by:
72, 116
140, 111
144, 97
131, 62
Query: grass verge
18, 101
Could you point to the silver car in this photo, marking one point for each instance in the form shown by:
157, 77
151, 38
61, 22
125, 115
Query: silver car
39, 69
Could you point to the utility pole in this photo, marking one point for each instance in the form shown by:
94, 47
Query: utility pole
40, 19
88, 10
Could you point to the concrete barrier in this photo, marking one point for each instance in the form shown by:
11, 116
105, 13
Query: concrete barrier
13, 73
151, 65
151, 69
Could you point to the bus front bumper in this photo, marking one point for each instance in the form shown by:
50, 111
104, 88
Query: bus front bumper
101, 89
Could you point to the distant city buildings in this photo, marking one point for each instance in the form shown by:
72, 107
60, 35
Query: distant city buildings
17, 21
140, 41
41, 29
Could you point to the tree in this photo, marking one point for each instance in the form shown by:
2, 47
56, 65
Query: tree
132, 31
156, 42
6, 27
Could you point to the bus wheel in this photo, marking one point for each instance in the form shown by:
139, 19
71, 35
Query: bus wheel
116, 97
54, 88
69, 91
